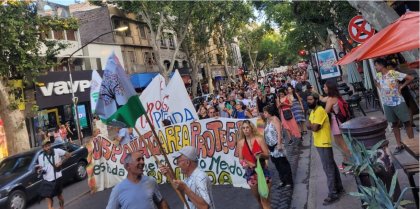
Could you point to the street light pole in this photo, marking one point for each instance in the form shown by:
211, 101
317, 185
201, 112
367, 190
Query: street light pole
73, 97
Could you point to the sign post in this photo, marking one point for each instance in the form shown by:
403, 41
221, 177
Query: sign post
359, 29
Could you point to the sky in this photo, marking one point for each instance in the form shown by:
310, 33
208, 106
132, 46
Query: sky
65, 2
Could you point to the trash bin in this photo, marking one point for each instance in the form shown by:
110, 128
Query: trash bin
370, 130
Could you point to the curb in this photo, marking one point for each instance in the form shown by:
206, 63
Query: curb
311, 183
76, 198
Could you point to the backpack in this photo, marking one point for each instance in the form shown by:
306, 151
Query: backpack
343, 114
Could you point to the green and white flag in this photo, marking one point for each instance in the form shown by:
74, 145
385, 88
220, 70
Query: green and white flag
95, 86
118, 103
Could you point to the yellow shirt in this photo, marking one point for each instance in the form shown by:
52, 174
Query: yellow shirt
322, 137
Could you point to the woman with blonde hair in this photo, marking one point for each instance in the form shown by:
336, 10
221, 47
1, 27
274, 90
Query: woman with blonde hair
251, 147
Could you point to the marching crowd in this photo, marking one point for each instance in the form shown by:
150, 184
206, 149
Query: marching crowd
290, 107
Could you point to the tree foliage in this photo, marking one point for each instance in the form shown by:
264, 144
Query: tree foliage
24, 47
305, 24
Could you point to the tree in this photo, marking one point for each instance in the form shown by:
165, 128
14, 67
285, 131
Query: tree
231, 18
305, 24
22, 37
249, 38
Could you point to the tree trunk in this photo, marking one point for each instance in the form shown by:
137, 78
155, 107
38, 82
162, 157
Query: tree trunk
209, 75
194, 80
225, 57
14, 124
380, 15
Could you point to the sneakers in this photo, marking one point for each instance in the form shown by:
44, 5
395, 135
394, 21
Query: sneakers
398, 150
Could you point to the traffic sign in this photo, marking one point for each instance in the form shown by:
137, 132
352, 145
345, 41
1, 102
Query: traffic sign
359, 29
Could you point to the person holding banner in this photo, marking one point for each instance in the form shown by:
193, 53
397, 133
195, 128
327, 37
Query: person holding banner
136, 191
197, 185
250, 147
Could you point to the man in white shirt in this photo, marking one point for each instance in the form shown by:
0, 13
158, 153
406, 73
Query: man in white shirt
197, 185
49, 164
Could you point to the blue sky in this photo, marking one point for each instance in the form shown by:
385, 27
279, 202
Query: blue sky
64, 2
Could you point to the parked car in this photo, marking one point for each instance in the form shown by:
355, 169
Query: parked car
19, 181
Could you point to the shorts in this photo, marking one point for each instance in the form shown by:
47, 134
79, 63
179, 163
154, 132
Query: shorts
395, 113
251, 176
58, 190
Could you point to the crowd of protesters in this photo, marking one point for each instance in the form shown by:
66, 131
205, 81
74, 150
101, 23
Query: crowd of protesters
281, 99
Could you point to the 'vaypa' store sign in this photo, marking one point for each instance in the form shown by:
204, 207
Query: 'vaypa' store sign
54, 89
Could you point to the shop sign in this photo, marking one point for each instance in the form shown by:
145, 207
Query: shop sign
55, 89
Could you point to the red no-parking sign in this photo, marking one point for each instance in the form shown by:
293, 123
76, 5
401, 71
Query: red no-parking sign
359, 29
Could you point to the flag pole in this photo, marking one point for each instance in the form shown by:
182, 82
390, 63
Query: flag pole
182, 197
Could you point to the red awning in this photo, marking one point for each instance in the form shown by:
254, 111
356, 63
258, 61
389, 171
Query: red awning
402, 35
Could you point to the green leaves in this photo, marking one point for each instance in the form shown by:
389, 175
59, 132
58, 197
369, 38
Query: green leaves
24, 49
364, 161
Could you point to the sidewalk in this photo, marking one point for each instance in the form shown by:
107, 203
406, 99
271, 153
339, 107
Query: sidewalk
317, 183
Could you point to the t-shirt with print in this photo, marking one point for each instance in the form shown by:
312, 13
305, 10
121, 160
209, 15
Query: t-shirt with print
322, 137
389, 87
200, 184
47, 161
130, 195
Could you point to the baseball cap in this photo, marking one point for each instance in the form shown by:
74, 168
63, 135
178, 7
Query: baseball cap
46, 141
188, 151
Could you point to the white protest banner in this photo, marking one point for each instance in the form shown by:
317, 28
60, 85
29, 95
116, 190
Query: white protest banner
215, 140
171, 102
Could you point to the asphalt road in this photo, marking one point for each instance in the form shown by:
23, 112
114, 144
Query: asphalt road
76, 196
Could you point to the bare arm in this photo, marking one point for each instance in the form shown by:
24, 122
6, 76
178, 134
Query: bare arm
265, 152
313, 126
330, 102
277, 125
408, 79
198, 201
163, 204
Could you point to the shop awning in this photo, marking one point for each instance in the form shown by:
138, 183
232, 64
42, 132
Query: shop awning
402, 35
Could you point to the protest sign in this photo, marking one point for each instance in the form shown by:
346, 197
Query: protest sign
166, 102
215, 140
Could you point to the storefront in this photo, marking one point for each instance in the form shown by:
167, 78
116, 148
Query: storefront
55, 101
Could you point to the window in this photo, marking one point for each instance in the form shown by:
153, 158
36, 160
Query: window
167, 63
149, 58
185, 64
219, 59
118, 23
71, 35
58, 35
176, 64
127, 32
142, 32
162, 42
131, 57
171, 41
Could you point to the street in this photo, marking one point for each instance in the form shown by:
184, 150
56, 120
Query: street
77, 197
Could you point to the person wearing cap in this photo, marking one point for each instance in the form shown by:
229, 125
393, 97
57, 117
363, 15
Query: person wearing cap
137, 191
49, 164
319, 124
197, 186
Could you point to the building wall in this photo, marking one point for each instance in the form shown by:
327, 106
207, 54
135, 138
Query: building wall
103, 51
94, 22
